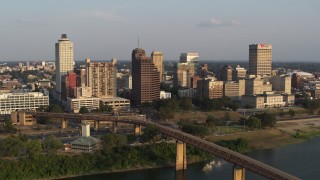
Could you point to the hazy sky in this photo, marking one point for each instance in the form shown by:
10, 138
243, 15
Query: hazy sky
102, 29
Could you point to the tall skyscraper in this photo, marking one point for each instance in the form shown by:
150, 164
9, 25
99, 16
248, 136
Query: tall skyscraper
190, 58
145, 78
260, 59
64, 60
68, 84
101, 77
183, 74
226, 73
239, 73
157, 59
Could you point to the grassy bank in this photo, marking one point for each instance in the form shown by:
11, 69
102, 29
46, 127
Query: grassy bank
272, 138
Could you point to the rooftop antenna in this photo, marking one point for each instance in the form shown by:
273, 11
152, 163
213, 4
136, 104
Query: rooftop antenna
138, 41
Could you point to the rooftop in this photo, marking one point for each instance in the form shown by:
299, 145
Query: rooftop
86, 141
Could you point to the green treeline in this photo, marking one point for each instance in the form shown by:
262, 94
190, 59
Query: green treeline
124, 157
238, 145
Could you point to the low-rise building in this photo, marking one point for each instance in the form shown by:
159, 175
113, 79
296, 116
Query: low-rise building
74, 104
16, 101
85, 142
165, 95
267, 100
191, 93
23, 118
116, 103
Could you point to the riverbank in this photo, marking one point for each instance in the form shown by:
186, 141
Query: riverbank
283, 134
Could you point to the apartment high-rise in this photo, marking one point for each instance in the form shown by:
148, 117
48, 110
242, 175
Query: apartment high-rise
101, 77
145, 78
64, 60
157, 59
260, 59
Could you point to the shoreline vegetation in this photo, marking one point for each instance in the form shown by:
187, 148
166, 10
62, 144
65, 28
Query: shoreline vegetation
284, 134
155, 155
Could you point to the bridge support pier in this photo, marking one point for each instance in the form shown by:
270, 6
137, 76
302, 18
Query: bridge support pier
181, 156
96, 125
114, 127
64, 123
137, 130
238, 173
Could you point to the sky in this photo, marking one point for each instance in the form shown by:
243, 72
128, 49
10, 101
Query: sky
103, 29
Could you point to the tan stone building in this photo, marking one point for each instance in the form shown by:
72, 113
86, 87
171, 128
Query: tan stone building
226, 73
22, 118
208, 88
254, 86
101, 77
281, 83
64, 60
184, 73
267, 100
260, 59
288, 99
157, 59
239, 73
234, 90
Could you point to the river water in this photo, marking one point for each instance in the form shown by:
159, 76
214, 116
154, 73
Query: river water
301, 160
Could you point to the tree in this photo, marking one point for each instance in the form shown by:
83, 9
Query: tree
227, 116
52, 144
195, 129
150, 134
211, 120
33, 148
267, 119
12, 146
104, 107
186, 103
8, 126
254, 122
166, 113
110, 141
83, 110
292, 112
55, 108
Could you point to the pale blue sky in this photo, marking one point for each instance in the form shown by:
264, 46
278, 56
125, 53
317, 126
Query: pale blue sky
102, 29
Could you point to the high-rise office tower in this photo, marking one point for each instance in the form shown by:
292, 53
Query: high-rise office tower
64, 60
145, 78
239, 73
260, 59
190, 58
183, 74
68, 84
226, 73
157, 59
101, 77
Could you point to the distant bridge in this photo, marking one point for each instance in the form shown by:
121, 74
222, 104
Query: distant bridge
240, 160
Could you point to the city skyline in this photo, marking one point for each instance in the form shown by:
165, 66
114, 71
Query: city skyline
103, 30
